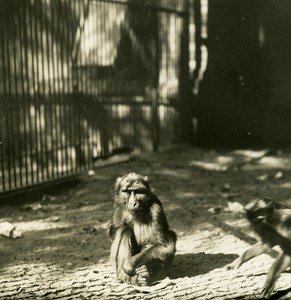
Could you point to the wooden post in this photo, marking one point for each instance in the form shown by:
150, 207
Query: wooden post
184, 79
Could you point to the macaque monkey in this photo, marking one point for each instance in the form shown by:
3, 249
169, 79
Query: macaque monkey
143, 246
272, 222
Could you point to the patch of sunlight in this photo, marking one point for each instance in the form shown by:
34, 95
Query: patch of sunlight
169, 172
208, 165
188, 195
46, 249
174, 207
57, 235
39, 225
104, 225
285, 185
210, 239
224, 159
250, 153
204, 14
94, 35
14, 269
89, 208
275, 162
238, 223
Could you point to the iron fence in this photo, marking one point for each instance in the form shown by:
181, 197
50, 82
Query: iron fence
81, 78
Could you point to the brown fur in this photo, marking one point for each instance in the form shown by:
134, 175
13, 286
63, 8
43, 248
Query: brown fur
143, 246
272, 222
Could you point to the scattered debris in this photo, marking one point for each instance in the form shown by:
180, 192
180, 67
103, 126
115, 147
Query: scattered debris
48, 198
215, 210
278, 175
263, 177
53, 219
35, 207
228, 196
226, 187
159, 285
234, 207
239, 159
91, 173
9, 230
208, 166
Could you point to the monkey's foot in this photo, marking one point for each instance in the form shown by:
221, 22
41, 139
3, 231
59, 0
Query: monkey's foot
142, 276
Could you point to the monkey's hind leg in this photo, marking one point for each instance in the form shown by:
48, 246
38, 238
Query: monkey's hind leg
281, 263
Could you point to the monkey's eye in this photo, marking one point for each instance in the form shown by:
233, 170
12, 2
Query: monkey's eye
126, 191
140, 192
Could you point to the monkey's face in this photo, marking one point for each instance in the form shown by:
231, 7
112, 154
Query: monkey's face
259, 209
133, 192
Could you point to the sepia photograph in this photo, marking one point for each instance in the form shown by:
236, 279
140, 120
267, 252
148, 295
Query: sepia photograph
145, 149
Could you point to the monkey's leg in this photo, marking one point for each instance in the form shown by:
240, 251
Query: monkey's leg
256, 250
121, 251
162, 253
281, 263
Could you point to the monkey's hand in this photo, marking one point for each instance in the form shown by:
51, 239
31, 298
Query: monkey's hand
128, 268
234, 265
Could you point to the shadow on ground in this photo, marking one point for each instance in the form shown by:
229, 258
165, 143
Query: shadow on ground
195, 264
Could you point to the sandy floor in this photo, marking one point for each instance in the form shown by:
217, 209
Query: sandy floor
64, 248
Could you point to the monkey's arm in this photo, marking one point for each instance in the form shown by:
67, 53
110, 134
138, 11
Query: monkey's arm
162, 251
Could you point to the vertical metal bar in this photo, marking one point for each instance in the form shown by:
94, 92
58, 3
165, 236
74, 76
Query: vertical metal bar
89, 64
50, 102
60, 98
42, 94
6, 88
155, 84
9, 109
65, 145
38, 52
74, 86
68, 33
28, 84
16, 87
77, 102
56, 100
184, 79
107, 106
4, 116
198, 42
35, 146
52, 92
24, 116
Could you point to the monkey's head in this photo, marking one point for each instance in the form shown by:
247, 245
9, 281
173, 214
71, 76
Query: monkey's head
258, 210
133, 192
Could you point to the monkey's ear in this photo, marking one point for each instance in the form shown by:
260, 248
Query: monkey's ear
117, 183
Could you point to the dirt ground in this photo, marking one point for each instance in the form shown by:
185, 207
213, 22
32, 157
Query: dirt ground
64, 248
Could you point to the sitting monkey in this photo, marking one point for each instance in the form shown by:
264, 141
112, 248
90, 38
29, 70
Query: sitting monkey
143, 246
